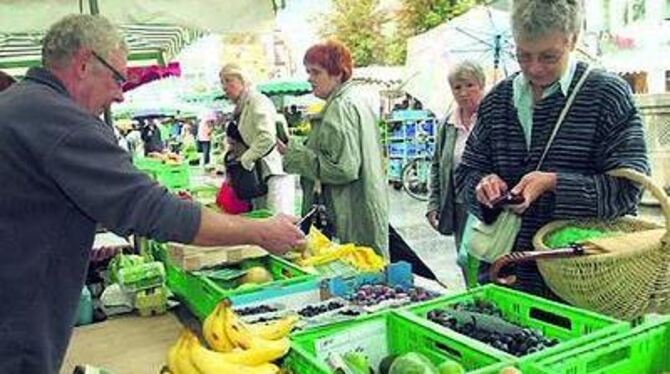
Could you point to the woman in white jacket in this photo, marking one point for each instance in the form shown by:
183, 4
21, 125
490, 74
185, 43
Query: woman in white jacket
256, 120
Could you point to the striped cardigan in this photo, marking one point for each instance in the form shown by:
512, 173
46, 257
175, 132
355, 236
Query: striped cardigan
602, 131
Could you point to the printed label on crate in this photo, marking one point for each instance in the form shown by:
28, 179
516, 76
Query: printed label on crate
368, 337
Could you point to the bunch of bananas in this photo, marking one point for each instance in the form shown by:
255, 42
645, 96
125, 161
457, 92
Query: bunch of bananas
236, 347
320, 251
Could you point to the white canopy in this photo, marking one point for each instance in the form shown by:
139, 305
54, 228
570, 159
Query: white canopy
216, 16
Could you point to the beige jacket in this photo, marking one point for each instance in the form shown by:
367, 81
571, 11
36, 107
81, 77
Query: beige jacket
257, 127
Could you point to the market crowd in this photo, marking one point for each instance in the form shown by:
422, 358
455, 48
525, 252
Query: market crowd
65, 172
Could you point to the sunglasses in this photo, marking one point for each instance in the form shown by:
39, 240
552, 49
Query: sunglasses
118, 77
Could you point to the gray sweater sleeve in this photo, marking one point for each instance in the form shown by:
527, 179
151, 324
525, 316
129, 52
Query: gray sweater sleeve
100, 180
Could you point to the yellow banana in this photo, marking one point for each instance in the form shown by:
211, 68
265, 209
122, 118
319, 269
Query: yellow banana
183, 363
210, 362
276, 329
214, 331
242, 337
173, 352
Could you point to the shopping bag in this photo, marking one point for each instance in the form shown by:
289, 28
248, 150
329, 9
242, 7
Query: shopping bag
487, 242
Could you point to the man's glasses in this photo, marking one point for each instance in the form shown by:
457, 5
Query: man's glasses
118, 77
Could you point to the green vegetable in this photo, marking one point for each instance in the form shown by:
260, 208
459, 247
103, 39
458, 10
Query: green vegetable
450, 367
568, 235
357, 362
412, 363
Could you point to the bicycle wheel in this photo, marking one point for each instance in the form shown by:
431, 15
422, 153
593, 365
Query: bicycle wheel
416, 178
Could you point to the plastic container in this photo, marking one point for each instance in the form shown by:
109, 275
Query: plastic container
394, 169
85, 311
643, 350
148, 165
572, 327
142, 276
259, 214
151, 301
174, 177
204, 193
378, 336
201, 294
395, 274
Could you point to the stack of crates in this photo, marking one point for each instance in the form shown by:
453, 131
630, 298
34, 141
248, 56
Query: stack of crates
411, 135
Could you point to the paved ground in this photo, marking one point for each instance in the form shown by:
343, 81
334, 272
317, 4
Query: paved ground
436, 250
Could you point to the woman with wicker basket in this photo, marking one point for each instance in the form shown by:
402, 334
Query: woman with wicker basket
556, 166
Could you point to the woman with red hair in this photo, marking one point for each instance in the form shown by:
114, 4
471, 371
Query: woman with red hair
340, 163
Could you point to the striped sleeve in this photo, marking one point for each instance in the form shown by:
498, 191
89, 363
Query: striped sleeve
621, 144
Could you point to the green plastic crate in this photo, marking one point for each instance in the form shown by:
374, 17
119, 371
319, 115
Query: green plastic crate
380, 335
204, 193
571, 326
201, 294
148, 165
643, 350
174, 177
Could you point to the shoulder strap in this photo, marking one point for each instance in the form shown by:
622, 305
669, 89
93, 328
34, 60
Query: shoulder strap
564, 112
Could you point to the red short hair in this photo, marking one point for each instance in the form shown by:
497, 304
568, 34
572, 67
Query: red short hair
333, 56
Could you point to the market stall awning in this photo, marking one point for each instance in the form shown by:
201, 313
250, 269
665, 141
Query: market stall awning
216, 16
284, 87
148, 44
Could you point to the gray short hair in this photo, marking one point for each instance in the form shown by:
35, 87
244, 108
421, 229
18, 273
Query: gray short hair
235, 70
533, 19
467, 69
77, 31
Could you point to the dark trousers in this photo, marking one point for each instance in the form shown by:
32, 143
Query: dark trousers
204, 148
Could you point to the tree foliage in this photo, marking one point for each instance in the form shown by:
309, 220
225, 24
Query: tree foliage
360, 24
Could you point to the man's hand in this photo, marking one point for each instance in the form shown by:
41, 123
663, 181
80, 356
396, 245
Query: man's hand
281, 147
432, 217
279, 234
490, 188
531, 187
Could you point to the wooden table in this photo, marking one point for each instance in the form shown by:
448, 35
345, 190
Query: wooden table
124, 345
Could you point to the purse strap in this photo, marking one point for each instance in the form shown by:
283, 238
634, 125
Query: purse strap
564, 113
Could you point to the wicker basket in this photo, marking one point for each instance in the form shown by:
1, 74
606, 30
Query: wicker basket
624, 276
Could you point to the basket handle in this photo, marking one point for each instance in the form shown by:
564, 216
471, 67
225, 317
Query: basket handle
527, 256
656, 191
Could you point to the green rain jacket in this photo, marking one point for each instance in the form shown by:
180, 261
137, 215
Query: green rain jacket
343, 151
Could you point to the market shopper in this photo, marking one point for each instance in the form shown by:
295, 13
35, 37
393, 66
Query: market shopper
342, 153
601, 131
204, 132
63, 173
255, 117
447, 211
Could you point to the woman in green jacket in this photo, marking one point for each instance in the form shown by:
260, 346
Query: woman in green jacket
447, 211
343, 153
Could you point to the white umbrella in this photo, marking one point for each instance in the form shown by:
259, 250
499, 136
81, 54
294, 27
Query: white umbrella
482, 34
